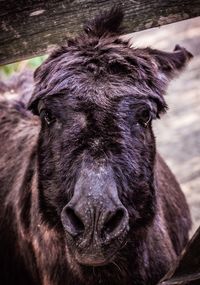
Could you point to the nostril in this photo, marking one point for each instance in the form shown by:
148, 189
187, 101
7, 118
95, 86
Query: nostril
114, 221
72, 222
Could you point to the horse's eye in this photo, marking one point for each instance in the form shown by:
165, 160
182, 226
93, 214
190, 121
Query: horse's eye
47, 116
145, 117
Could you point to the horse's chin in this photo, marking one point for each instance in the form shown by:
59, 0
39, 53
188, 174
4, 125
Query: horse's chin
93, 260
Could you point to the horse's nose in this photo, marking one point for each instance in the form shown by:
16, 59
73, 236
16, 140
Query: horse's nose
107, 223
72, 220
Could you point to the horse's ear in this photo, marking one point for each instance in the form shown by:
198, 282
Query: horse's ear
169, 64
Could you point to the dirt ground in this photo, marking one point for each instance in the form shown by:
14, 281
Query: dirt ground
178, 132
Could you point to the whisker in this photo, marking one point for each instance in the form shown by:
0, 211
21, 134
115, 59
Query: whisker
117, 266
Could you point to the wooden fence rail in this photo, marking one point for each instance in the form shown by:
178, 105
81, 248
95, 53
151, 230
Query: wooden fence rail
30, 27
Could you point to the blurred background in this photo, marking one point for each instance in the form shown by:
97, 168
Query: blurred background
178, 131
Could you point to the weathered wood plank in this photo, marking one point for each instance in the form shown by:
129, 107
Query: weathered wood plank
187, 270
30, 27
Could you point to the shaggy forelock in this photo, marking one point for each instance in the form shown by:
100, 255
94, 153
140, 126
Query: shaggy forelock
91, 65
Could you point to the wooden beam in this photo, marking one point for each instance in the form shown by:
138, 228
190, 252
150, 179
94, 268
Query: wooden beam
187, 269
31, 27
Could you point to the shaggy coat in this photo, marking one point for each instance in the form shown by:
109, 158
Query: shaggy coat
93, 102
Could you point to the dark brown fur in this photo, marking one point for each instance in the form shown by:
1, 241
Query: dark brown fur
96, 88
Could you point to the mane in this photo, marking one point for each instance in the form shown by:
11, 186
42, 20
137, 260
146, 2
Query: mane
106, 23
